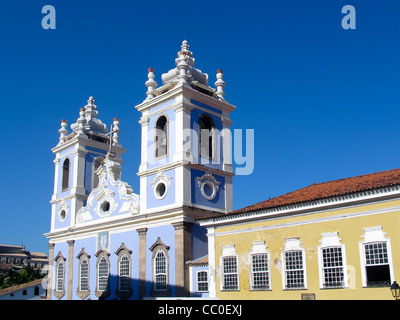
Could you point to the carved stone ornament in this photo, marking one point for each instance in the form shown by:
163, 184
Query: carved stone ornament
103, 201
63, 210
160, 185
208, 185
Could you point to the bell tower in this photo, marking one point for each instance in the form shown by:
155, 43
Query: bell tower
185, 170
186, 143
78, 154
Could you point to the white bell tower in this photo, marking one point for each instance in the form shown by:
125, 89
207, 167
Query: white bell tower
186, 149
78, 155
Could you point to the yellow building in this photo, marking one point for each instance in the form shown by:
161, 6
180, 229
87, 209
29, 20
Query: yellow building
332, 240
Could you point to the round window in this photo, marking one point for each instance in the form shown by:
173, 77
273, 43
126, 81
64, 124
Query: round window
105, 206
161, 190
208, 190
63, 215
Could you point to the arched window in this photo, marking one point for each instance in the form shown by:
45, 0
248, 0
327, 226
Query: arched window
161, 137
65, 174
160, 271
59, 291
160, 264
83, 275
60, 276
96, 165
103, 274
124, 280
206, 137
124, 288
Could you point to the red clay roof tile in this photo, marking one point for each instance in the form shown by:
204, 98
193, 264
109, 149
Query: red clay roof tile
329, 189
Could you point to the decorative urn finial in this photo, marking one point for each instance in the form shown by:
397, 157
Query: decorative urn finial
151, 84
220, 85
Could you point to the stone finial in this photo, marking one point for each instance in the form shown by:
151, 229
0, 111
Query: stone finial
151, 84
81, 123
182, 64
91, 109
63, 131
116, 131
185, 49
220, 85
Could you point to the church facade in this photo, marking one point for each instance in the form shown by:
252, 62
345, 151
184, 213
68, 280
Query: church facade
108, 242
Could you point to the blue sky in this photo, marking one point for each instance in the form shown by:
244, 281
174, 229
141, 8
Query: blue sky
323, 101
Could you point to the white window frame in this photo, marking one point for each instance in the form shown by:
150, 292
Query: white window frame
293, 244
165, 274
331, 240
201, 282
122, 277
374, 235
259, 248
81, 276
229, 251
60, 276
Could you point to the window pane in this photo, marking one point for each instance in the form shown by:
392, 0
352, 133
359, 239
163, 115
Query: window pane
202, 281
333, 271
294, 270
230, 273
260, 277
124, 279
376, 253
60, 276
103, 274
84, 285
161, 271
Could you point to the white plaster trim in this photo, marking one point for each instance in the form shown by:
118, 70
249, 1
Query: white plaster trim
259, 247
310, 221
208, 179
374, 234
331, 239
293, 244
211, 263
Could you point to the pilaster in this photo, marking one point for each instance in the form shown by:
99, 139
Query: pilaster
142, 262
183, 253
70, 267
50, 271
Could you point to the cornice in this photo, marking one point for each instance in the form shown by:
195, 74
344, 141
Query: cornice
191, 93
186, 163
136, 222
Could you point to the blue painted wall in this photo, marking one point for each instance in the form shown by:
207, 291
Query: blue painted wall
197, 198
152, 201
199, 242
68, 153
152, 163
67, 222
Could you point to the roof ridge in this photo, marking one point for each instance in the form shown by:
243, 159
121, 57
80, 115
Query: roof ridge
358, 176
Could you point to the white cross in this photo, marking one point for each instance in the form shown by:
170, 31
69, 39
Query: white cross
110, 153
